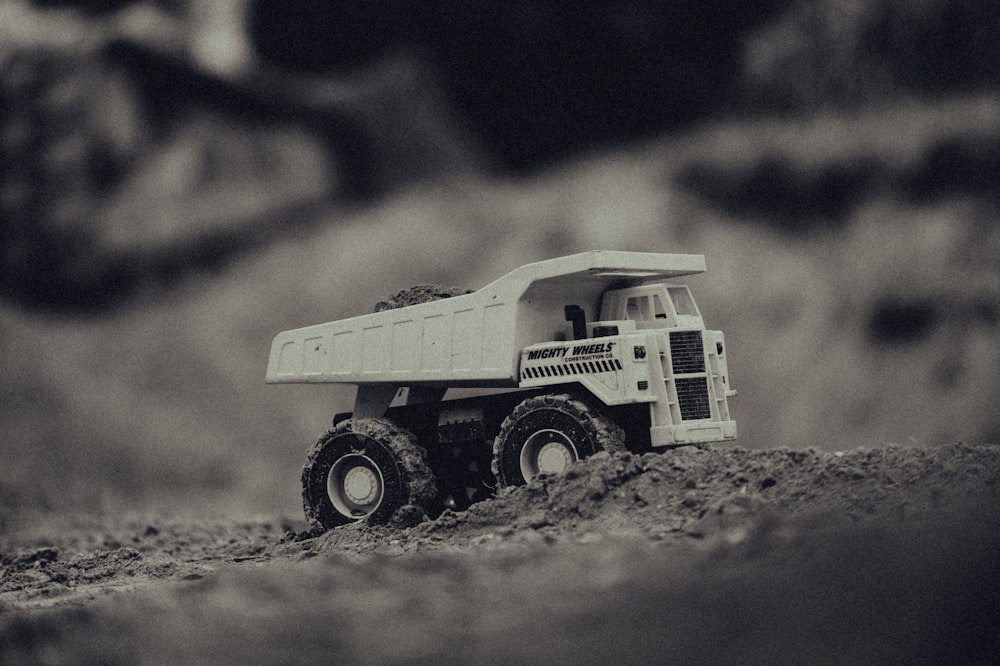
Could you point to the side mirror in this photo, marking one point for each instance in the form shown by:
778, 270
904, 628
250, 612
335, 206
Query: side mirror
576, 315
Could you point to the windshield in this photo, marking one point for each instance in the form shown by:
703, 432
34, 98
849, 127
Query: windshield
683, 302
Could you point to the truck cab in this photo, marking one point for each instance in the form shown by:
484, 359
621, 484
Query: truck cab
652, 306
649, 345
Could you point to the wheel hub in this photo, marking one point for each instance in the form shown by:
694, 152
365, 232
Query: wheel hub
546, 451
554, 458
355, 486
360, 485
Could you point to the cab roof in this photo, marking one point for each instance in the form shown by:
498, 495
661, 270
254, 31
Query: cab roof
619, 267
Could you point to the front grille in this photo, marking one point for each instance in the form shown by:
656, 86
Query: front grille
692, 397
686, 352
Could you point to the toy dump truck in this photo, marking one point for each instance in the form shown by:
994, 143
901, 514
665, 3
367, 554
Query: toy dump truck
567, 357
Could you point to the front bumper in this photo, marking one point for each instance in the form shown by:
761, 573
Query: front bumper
693, 433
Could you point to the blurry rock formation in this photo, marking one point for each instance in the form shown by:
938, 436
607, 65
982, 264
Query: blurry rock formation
144, 140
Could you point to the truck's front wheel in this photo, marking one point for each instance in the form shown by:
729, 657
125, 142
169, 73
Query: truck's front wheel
364, 469
546, 433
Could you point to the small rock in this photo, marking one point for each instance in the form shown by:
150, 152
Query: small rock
537, 519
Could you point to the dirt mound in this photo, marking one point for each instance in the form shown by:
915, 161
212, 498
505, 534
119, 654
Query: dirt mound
698, 556
702, 494
688, 495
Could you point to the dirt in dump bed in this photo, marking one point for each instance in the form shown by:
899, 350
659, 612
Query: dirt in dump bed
421, 293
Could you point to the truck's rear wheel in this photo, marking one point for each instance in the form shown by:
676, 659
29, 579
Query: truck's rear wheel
547, 433
364, 469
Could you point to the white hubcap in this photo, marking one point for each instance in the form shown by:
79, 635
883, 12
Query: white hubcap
546, 452
355, 486
554, 458
360, 485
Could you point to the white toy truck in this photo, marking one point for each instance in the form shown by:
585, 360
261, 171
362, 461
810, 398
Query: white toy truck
569, 356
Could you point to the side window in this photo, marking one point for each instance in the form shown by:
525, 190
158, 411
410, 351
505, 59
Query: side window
638, 308
658, 310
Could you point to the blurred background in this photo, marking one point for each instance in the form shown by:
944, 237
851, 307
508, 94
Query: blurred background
182, 179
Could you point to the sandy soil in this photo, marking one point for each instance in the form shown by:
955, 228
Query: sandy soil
888, 555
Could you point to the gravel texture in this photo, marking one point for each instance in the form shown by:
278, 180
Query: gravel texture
885, 555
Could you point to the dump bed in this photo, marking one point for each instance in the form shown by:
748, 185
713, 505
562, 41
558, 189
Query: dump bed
469, 340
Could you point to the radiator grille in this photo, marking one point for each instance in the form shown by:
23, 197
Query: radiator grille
686, 352
692, 397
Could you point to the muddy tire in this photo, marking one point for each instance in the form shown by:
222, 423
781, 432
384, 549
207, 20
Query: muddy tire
545, 434
364, 469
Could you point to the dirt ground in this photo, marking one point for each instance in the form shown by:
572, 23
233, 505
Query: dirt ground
720, 555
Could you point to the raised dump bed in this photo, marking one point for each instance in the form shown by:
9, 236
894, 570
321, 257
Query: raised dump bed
469, 340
